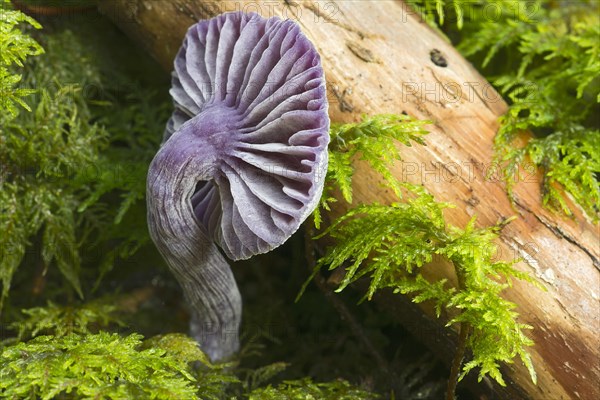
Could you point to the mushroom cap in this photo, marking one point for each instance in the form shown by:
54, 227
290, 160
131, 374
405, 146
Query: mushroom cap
252, 90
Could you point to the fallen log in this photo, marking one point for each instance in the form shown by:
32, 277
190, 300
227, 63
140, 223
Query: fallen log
379, 57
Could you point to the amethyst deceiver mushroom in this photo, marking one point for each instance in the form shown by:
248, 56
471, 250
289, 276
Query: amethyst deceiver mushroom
242, 162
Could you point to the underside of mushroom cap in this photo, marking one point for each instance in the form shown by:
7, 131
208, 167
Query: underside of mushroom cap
251, 92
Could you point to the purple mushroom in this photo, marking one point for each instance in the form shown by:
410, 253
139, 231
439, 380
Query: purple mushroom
242, 162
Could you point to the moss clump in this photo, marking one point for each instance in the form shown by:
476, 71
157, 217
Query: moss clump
543, 56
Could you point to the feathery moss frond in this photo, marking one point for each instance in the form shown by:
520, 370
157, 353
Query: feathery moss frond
260, 376
374, 140
68, 186
305, 389
391, 243
43, 152
440, 12
102, 365
15, 47
546, 63
554, 91
106, 365
60, 321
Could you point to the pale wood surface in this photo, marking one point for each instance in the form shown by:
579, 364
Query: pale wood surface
377, 58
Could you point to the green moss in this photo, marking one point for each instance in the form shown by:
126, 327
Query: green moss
307, 390
59, 321
544, 57
390, 244
102, 365
373, 140
399, 239
78, 358
45, 154
15, 47
73, 184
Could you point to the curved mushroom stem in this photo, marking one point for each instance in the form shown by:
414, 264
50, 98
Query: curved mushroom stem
216, 305
203, 273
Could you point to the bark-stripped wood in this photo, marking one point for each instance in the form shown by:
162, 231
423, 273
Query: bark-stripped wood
380, 58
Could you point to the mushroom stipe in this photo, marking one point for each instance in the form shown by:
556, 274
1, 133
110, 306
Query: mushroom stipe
242, 163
